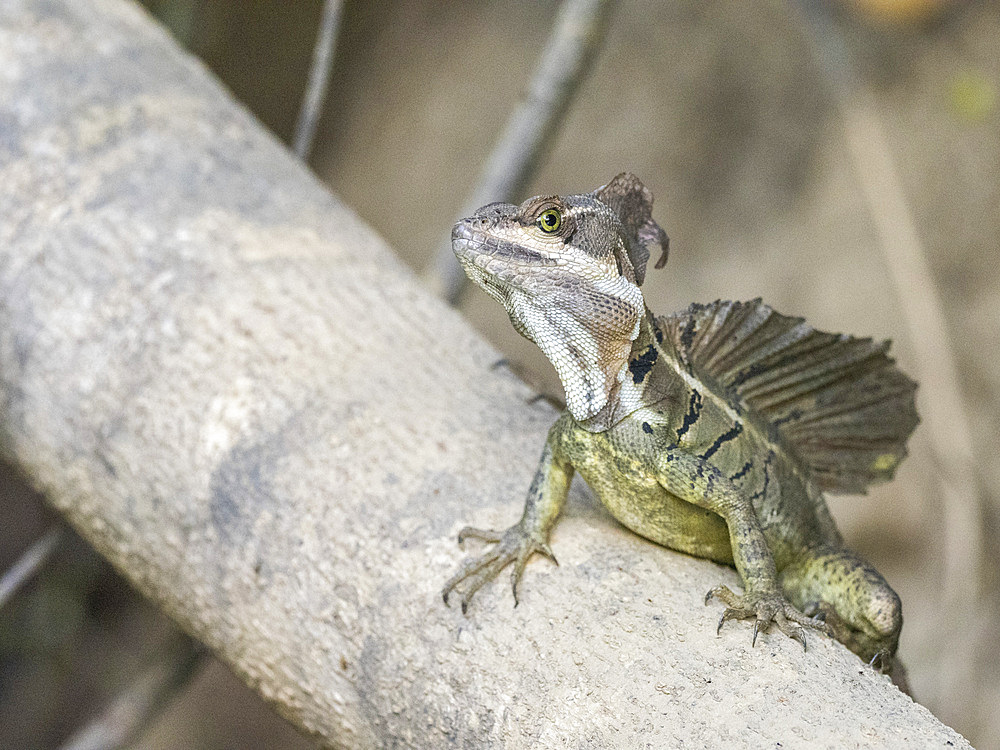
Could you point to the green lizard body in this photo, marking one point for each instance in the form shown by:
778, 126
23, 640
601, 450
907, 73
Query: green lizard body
712, 431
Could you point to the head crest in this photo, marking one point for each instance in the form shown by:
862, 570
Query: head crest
633, 203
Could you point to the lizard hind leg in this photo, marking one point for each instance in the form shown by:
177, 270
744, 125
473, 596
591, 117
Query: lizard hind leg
862, 610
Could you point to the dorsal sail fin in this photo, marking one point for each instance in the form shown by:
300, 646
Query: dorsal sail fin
837, 404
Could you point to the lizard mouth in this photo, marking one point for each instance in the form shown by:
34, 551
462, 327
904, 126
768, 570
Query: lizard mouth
483, 254
466, 241
474, 248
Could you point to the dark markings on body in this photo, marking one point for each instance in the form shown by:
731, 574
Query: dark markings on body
687, 335
723, 438
767, 478
693, 412
790, 417
742, 472
750, 372
641, 365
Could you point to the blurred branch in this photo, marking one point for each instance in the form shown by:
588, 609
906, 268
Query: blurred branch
29, 563
319, 78
128, 716
942, 408
577, 35
180, 16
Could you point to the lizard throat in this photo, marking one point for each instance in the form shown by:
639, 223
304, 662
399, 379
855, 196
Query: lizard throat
590, 351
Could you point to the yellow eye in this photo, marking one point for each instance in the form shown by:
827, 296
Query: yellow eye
549, 221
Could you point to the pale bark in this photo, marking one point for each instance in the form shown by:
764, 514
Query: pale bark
236, 392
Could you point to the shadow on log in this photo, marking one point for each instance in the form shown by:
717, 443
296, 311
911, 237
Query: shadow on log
237, 393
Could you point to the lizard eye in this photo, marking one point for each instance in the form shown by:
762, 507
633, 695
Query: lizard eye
549, 221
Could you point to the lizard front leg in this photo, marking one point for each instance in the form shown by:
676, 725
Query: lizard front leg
697, 481
517, 544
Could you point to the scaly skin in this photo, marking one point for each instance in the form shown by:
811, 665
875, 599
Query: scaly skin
673, 457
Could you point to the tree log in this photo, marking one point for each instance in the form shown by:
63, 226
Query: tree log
239, 396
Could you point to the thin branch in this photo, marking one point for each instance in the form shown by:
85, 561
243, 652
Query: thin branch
29, 563
131, 713
319, 78
944, 412
576, 37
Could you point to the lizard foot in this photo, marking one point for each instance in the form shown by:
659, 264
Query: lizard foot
515, 545
767, 608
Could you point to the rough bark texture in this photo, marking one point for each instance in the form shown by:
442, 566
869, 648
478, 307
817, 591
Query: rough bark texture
235, 391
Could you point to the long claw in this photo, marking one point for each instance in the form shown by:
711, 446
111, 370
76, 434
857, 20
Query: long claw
546, 550
799, 635
727, 614
756, 630
515, 576
883, 657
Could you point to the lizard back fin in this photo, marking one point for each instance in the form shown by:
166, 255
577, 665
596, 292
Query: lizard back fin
837, 403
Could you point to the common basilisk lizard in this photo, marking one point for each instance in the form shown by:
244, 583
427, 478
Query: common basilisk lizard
713, 431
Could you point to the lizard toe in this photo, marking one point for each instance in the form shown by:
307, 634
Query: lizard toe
732, 613
486, 535
789, 627
798, 634
724, 594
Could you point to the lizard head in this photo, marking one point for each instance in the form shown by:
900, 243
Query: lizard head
567, 269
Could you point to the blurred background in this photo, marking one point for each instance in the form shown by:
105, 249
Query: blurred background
839, 159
